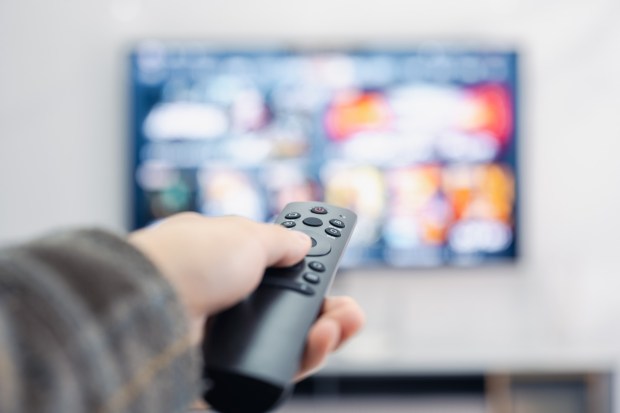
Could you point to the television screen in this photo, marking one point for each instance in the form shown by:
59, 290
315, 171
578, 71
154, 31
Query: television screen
420, 142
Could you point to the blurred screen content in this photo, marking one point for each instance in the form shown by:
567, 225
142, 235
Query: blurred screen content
420, 143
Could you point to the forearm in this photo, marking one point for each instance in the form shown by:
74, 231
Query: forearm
87, 324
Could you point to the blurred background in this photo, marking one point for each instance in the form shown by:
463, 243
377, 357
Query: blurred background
487, 263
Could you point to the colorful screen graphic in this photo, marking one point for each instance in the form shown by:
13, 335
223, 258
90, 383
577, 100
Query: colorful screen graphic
421, 143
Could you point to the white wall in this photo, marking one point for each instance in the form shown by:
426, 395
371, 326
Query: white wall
63, 139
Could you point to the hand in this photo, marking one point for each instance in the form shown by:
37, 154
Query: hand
213, 263
340, 318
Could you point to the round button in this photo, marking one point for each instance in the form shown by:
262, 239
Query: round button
317, 266
332, 231
288, 224
313, 222
312, 278
319, 210
337, 223
305, 289
292, 215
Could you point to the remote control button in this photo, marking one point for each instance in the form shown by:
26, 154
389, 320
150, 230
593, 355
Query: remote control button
313, 222
312, 278
319, 210
288, 284
333, 232
292, 215
288, 224
317, 266
337, 223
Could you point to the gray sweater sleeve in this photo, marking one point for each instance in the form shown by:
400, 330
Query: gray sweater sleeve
87, 324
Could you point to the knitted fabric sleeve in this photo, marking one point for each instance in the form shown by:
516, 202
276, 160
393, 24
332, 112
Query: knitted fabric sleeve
87, 324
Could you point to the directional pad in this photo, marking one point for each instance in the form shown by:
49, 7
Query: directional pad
320, 245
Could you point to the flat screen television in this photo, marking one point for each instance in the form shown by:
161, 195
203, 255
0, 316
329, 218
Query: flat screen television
420, 141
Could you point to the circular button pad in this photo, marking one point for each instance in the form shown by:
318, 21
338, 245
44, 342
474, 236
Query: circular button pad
320, 244
292, 215
319, 249
288, 224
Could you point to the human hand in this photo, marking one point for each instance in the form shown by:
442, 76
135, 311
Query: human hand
341, 318
213, 263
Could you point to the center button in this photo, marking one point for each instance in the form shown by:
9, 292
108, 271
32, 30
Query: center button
313, 222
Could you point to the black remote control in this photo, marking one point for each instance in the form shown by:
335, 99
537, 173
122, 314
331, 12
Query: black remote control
253, 350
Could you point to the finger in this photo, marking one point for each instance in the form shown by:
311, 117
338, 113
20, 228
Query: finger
323, 338
283, 247
346, 313
340, 318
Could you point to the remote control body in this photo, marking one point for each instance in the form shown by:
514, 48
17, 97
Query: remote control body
254, 349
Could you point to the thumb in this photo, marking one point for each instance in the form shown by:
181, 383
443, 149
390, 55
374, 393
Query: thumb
284, 247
